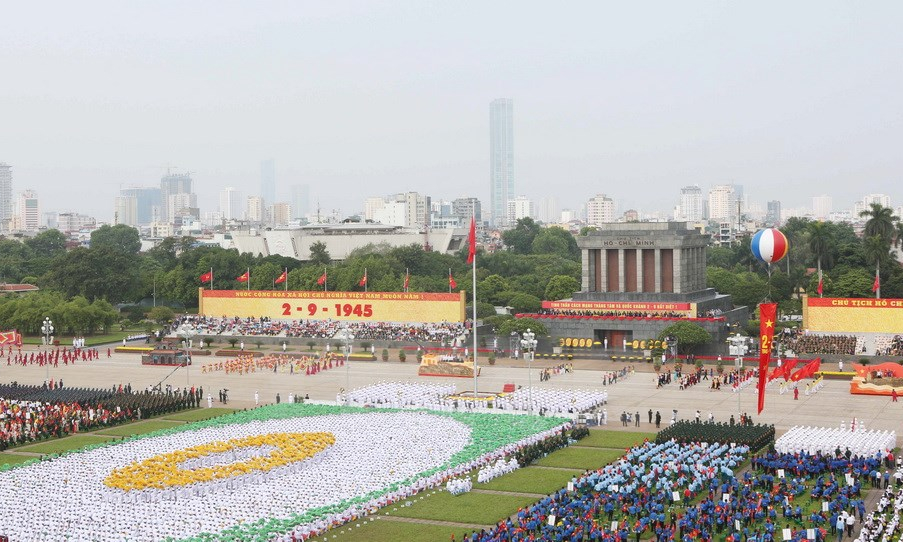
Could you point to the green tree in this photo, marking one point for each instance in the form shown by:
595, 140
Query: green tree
881, 222
120, 238
520, 325
319, 255
48, 243
689, 335
161, 314
493, 289
557, 241
820, 243
520, 239
853, 283
522, 303
561, 287
877, 253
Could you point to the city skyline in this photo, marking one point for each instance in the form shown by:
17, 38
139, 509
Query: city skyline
623, 100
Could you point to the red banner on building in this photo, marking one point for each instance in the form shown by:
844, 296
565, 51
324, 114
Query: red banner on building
768, 315
614, 306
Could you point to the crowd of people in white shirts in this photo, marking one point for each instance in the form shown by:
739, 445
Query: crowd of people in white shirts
497, 469
372, 452
828, 439
442, 397
883, 523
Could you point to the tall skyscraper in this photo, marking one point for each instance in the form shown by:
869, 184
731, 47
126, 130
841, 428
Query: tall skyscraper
148, 204
268, 181
822, 206
125, 210
501, 159
171, 185
300, 200
29, 211
6, 192
722, 203
600, 209
230, 204
773, 214
691, 206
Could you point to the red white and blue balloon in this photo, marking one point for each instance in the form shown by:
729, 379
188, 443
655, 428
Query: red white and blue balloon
769, 245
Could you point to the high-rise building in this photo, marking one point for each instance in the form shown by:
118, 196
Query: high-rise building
822, 206
148, 204
230, 204
300, 200
170, 185
255, 209
518, 208
69, 222
773, 214
501, 159
722, 203
268, 181
548, 210
600, 209
691, 205
464, 208
866, 203
6, 192
181, 205
125, 210
417, 208
281, 213
29, 211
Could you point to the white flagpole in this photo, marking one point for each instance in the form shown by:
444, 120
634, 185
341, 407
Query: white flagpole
476, 369
449, 279
286, 279
211, 277
325, 279
248, 282
366, 281
406, 278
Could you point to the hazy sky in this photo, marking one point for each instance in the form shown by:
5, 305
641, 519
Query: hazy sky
633, 99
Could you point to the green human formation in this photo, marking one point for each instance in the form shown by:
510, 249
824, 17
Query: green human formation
756, 436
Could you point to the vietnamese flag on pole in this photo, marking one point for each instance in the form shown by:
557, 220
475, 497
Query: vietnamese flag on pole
322, 280
206, 277
244, 277
472, 240
451, 282
363, 281
768, 313
877, 283
281, 278
407, 279
821, 285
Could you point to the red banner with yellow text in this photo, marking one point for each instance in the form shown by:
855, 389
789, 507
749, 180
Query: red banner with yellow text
768, 315
343, 306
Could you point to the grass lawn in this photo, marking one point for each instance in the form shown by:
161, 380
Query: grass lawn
478, 508
139, 428
15, 459
603, 438
531, 480
386, 529
65, 444
198, 414
580, 458
91, 340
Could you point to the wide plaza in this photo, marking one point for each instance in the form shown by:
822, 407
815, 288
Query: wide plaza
636, 393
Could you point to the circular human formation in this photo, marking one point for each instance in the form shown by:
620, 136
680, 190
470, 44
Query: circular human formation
170, 470
327, 465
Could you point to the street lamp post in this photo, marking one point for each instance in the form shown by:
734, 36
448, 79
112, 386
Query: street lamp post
347, 339
528, 343
738, 349
187, 333
47, 331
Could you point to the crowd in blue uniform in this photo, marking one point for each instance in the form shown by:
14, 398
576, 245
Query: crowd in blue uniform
689, 492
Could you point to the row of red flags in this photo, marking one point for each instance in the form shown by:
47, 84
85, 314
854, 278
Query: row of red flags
471, 253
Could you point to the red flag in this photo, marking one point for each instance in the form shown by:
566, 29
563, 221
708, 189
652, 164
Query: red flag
877, 283
206, 277
244, 277
322, 280
281, 278
407, 279
363, 281
451, 282
472, 240
821, 286
768, 315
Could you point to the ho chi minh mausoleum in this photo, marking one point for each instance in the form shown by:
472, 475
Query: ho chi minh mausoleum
638, 279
